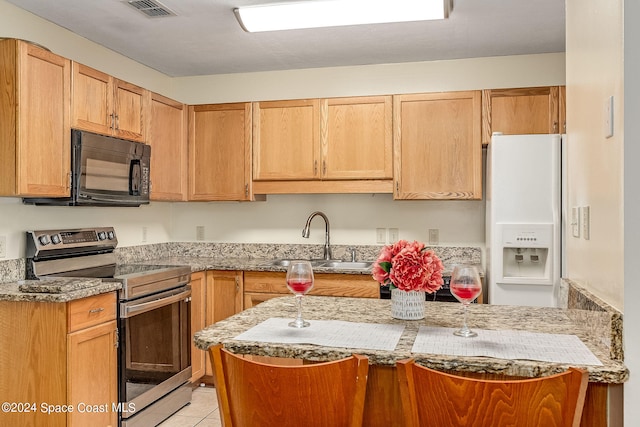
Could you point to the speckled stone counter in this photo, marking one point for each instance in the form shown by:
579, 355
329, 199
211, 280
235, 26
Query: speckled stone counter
481, 316
62, 290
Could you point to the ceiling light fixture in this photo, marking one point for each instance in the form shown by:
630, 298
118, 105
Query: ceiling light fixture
334, 13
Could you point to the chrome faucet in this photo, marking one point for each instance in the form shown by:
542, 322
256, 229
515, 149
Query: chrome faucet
306, 231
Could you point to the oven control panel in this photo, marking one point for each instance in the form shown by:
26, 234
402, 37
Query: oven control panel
40, 242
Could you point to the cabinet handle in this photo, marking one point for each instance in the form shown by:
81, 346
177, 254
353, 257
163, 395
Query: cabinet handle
117, 122
324, 168
397, 189
555, 127
112, 121
246, 190
237, 285
315, 168
96, 310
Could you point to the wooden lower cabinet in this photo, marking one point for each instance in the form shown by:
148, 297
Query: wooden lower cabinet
215, 295
198, 298
261, 286
58, 362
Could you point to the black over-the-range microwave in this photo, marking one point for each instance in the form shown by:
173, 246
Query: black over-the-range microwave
105, 171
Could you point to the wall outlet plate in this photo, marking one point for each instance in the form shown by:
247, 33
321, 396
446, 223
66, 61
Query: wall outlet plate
200, 232
3, 246
381, 236
394, 235
586, 214
575, 222
434, 236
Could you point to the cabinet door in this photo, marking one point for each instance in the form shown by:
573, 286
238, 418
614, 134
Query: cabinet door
92, 376
224, 298
357, 138
220, 152
43, 125
167, 132
437, 146
520, 111
286, 140
198, 322
92, 100
129, 110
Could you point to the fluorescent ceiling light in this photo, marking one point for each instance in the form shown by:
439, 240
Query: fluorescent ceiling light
333, 13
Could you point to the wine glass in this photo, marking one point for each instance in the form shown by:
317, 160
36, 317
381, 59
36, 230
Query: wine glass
465, 286
299, 281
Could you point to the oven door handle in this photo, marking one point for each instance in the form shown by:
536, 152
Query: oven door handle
134, 309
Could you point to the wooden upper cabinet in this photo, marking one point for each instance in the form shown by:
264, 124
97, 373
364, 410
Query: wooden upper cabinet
331, 145
220, 152
35, 137
534, 110
106, 105
286, 140
437, 146
357, 138
168, 139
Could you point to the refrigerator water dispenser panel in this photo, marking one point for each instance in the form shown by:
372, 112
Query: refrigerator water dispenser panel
527, 254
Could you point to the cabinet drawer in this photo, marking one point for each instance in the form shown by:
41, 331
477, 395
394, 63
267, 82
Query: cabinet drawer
91, 311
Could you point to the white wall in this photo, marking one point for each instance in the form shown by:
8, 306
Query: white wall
353, 219
595, 163
435, 76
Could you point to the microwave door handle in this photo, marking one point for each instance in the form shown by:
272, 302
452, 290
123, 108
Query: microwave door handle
134, 177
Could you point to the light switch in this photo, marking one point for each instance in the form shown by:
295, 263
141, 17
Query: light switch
608, 117
585, 222
394, 235
381, 236
575, 222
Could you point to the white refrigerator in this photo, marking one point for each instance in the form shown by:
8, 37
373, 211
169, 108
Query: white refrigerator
523, 219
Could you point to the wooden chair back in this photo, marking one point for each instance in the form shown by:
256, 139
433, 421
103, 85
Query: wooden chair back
432, 398
254, 394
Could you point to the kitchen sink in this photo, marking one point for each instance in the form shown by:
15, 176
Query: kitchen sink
347, 265
286, 262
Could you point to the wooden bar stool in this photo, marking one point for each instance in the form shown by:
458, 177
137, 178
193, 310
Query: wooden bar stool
254, 394
432, 398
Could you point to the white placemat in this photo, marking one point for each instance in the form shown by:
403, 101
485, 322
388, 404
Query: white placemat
330, 333
506, 344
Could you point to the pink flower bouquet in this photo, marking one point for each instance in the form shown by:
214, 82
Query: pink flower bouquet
409, 267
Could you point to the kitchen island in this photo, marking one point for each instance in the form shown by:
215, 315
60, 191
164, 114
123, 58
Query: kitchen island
383, 406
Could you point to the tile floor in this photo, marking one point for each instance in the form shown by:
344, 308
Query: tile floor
202, 412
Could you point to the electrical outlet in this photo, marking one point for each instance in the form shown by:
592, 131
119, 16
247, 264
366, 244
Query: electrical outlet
200, 232
586, 232
434, 236
381, 236
3, 246
394, 235
144, 234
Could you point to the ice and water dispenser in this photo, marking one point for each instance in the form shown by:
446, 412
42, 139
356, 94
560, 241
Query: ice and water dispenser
527, 254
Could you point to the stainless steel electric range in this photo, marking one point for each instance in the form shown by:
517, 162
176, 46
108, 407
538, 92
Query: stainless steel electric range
154, 317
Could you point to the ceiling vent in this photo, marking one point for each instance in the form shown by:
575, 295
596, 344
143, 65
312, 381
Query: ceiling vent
151, 8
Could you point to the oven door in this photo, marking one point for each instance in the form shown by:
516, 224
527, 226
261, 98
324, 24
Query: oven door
109, 170
155, 348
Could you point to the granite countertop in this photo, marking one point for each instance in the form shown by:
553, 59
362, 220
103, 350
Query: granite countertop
199, 263
442, 314
55, 290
